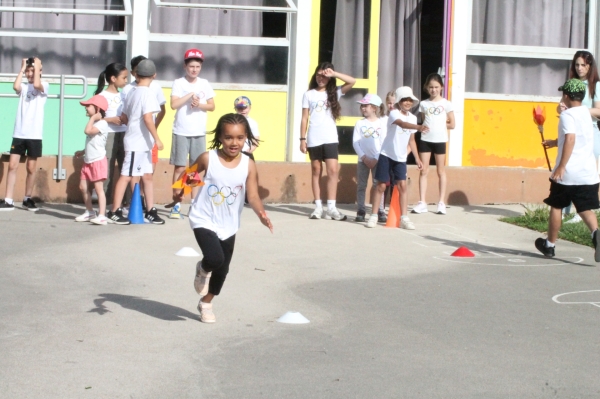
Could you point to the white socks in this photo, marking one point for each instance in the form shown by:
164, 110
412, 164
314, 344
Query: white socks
9, 201
330, 205
319, 203
549, 244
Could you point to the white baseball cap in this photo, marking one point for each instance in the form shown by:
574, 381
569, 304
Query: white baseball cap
371, 99
405, 92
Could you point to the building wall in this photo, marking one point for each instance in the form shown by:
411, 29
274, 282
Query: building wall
502, 133
269, 109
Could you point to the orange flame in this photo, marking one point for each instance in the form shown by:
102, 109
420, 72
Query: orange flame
190, 179
539, 115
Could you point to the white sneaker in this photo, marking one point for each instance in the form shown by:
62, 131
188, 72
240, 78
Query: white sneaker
421, 207
441, 208
100, 220
575, 219
317, 213
86, 217
334, 214
201, 280
206, 313
372, 221
406, 224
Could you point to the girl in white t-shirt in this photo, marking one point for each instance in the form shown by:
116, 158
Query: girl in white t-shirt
95, 169
114, 77
437, 114
366, 140
320, 107
215, 211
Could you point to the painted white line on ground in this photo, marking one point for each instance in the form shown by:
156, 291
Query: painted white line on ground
509, 262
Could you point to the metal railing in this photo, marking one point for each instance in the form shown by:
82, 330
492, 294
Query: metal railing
59, 173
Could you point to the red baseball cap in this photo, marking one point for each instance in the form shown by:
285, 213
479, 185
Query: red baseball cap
193, 53
97, 100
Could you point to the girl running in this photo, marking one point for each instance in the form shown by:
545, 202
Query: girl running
437, 114
320, 138
114, 77
367, 138
216, 210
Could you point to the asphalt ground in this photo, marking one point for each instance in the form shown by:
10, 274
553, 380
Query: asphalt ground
110, 311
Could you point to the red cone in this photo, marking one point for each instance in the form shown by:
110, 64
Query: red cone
463, 252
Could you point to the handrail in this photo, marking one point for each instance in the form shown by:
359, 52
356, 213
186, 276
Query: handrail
59, 173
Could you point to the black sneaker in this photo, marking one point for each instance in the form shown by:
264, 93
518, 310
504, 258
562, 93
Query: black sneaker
596, 245
30, 205
381, 217
540, 244
152, 217
117, 217
360, 216
5, 206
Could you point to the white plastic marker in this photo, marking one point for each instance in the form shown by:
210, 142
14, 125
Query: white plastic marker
293, 318
187, 251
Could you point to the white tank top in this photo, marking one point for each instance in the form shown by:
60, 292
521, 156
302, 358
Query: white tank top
219, 203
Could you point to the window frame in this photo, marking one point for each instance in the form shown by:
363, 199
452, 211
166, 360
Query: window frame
535, 52
291, 6
57, 10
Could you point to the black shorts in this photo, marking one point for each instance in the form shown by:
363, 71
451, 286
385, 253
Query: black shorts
436, 148
28, 147
584, 197
323, 152
387, 169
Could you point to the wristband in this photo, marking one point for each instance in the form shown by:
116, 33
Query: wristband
302, 138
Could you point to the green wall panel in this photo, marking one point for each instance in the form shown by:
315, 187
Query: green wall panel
73, 123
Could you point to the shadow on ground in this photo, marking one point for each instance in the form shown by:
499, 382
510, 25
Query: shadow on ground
474, 246
148, 307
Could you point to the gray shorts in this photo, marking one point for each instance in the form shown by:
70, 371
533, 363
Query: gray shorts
184, 148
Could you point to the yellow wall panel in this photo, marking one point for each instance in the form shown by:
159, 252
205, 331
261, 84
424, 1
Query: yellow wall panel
502, 133
269, 109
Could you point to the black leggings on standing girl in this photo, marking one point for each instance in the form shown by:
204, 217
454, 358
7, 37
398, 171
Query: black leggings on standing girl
217, 256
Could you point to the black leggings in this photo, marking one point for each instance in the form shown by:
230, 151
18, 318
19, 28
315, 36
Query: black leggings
217, 256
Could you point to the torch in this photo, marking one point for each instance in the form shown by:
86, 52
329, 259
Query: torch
539, 117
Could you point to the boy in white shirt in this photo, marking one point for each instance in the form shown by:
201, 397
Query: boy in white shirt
138, 115
192, 97
28, 131
575, 176
401, 127
243, 106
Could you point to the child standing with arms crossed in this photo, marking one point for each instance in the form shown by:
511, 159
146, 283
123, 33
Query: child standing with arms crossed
575, 175
115, 75
402, 125
368, 135
29, 128
216, 209
438, 115
139, 139
95, 167
192, 97
320, 138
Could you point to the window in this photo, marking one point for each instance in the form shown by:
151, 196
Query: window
244, 41
524, 48
69, 36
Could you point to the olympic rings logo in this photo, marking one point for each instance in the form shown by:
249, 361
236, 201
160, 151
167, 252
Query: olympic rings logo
320, 105
32, 94
116, 99
435, 110
223, 195
370, 132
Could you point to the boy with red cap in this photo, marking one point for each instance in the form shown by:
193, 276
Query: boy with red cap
95, 168
191, 97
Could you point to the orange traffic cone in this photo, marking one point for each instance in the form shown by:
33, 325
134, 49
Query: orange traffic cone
394, 214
